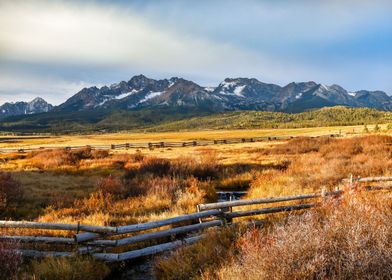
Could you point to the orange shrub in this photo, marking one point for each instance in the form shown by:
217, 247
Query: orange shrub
111, 185
10, 190
350, 240
299, 145
55, 158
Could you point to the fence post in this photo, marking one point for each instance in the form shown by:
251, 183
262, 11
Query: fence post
323, 192
198, 211
113, 147
351, 180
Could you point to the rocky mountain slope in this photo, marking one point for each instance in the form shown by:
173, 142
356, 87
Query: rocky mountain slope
231, 94
38, 105
180, 95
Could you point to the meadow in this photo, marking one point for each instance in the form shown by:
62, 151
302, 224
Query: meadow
121, 187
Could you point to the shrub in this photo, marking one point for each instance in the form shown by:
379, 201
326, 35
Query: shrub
138, 156
10, 190
99, 154
299, 145
350, 240
50, 159
10, 261
183, 167
111, 185
55, 158
155, 166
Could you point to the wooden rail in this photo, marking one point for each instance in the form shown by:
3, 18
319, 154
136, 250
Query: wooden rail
151, 145
100, 241
368, 179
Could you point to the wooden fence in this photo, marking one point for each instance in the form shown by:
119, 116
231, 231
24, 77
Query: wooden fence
112, 244
152, 145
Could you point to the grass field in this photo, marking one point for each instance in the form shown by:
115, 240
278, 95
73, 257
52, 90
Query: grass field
131, 186
120, 138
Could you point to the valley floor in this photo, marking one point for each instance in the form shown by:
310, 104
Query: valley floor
132, 186
131, 137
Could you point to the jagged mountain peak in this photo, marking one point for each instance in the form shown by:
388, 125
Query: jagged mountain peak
239, 93
35, 106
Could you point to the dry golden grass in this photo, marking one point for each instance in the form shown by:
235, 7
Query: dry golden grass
100, 188
349, 239
123, 137
78, 268
188, 262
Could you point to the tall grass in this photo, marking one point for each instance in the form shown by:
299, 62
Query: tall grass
77, 268
351, 239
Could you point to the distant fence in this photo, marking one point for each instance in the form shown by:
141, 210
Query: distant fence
112, 244
152, 145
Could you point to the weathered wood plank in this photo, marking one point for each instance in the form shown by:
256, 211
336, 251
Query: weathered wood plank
220, 205
39, 239
271, 210
370, 179
165, 233
54, 226
87, 236
146, 251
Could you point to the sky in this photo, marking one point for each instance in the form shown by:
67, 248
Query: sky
53, 49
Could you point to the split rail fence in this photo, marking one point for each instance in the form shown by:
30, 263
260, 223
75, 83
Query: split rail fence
152, 145
113, 244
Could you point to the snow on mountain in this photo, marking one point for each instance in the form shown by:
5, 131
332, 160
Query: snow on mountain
37, 105
230, 94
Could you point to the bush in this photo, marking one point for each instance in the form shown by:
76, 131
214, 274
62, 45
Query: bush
10, 190
111, 185
10, 261
99, 154
155, 166
350, 240
51, 159
300, 145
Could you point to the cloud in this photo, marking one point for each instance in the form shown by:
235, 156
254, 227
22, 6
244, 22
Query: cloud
19, 86
41, 31
85, 34
274, 41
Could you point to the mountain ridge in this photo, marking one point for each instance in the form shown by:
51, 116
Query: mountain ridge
35, 106
229, 95
187, 98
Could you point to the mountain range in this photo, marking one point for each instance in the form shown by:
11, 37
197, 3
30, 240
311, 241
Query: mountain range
37, 105
142, 93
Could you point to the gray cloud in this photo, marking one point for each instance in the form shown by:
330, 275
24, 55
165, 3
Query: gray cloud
99, 42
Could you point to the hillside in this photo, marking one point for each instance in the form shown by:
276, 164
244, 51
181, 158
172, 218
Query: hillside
329, 116
176, 119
